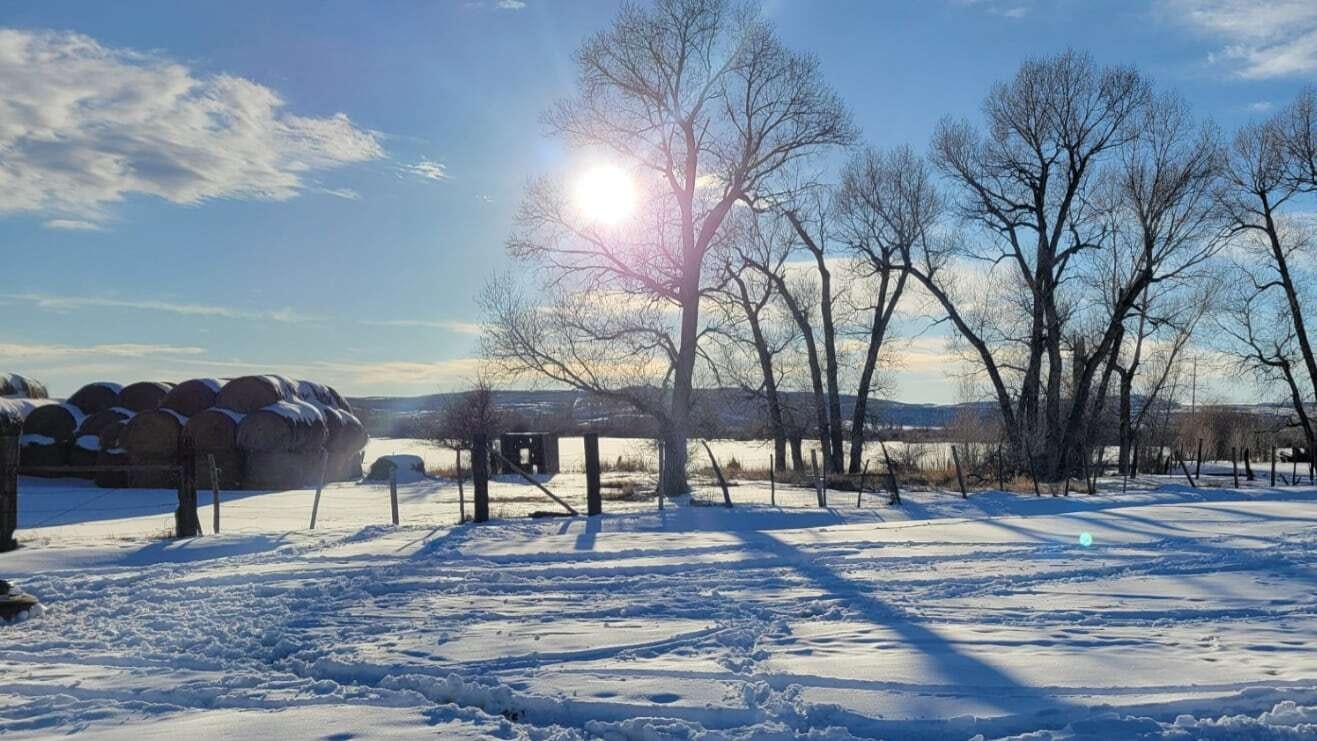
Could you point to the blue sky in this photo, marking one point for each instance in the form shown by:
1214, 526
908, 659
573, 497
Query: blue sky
322, 188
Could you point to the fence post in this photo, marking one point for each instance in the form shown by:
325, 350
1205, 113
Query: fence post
1248, 464
320, 486
1001, 470
1273, 465
1234, 465
593, 497
1198, 461
662, 453
818, 487
891, 473
960, 478
215, 494
393, 493
1185, 468
461, 493
8, 492
480, 476
186, 522
859, 491
772, 482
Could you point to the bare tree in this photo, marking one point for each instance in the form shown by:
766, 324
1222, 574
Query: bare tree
473, 412
887, 205
1031, 189
705, 107
1267, 168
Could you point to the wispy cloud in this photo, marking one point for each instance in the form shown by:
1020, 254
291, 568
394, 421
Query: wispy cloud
450, 325
511, 5
70, 303
83, 126
344, 193
1262, 39
77, 225
27, 352
426, 169
1004, 8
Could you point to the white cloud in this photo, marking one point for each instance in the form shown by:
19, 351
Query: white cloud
1277, 38
450, 325
511, 4
427, 169
73, 225
1260, 106
1004, 8
83, 126
31, 351
347, 194
68, 303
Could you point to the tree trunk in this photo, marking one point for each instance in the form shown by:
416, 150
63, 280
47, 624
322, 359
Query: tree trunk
882, 315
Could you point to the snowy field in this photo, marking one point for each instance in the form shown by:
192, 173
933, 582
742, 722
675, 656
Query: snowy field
1190, 614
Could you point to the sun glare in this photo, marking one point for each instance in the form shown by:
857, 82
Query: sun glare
605, 194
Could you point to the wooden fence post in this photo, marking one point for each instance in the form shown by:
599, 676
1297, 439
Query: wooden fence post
320, 486
960, 478
818, 486
8, 492
593, 496
859, 490
393, 493
662, 452
772, 481
1001, 470
215, 495
461, 493
186, 522
480, 477
1185, 468
1234, 465
1248, 465
1273, 465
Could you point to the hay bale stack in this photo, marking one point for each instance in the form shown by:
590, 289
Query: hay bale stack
96, 397
214, 431
152, 438
277, 469
192, 396
40, 450
95, 423
58, 422
85, 451
346, 443
111, 453
285, 426
253, 393
12, 384
13, 412
143, 395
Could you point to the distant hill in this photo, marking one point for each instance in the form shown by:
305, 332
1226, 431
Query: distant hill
721, 412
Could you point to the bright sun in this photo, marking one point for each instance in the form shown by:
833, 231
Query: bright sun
605, 194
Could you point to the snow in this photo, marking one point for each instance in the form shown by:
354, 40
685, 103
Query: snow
1190, 615
88, 442
296, 411
32, 438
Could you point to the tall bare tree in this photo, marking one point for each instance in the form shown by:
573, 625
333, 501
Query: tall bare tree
705, 107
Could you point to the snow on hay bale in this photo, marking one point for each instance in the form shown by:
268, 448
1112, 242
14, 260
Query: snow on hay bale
12, 384
95, 423
41, 450
143, 395
59, 422
294, 426
96, 397
85, 451
13, 411
192, 396
253, 393
111, 454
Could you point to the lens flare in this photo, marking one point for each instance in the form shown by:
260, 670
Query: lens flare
1085, 539
605, 194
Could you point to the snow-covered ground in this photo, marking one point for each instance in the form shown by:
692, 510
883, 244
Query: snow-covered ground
1190, 614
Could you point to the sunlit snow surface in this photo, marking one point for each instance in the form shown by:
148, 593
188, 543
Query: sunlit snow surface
1190, 615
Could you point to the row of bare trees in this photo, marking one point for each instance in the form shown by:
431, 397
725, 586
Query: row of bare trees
1077, 242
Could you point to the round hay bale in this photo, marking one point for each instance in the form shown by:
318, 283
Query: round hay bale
59, 422
153, 434
143, 395
231, 465
346, 466
12, 384
283, 426
253, 393
339, 400
112, 457
280, 469
350, 437
192, 396
39, 450
94, 423
214, 429
13, 411
85, 451
317, 393
112, 436
96, 397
